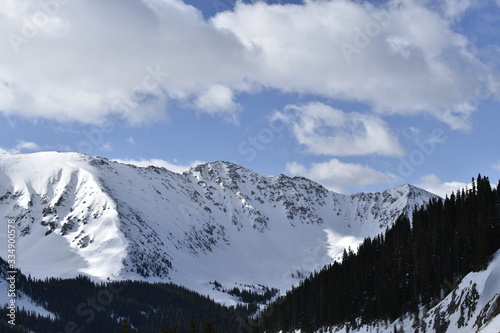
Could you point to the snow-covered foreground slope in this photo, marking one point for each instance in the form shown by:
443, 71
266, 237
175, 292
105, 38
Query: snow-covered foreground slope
22, 300
215, 222
473, 306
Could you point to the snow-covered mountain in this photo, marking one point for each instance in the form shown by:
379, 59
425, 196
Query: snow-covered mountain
215, 222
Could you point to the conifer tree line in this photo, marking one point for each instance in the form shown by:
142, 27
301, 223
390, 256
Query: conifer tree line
415, 262
81, 306
207, 327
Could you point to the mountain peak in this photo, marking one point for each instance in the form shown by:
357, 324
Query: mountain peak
412, 191
217, 166
77, 214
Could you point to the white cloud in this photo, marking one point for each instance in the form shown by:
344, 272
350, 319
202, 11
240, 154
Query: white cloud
401, 58
336, 175
328, 131
433, 184
337, 243
130, 58
399, 45
217, 99
174, 167
414, 130
106, 147
26, 145
21, 146
496, 166
456, 8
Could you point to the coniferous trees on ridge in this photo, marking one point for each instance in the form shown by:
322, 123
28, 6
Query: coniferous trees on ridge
81, 305
415, 262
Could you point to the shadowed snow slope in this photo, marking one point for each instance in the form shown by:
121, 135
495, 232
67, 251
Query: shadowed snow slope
217, 221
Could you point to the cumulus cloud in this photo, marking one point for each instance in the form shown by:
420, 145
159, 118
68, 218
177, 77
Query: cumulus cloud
217, 99
382, 55
88, 60
336, 175
433, 184
123, 58
324, 130
172, 166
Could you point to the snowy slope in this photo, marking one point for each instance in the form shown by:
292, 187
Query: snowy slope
22, 301
217, 221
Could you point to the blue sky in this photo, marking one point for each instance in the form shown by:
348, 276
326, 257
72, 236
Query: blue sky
356, 95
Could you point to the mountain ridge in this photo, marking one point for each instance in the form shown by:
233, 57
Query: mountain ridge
216, 221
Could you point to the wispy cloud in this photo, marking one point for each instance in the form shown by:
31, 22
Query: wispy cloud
456, 8
496, 166
337, 176
106, 147
27, 145
433, 184
22, 147
324, 130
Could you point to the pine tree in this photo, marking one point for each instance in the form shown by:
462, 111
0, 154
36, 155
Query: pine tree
208, 328
125, 325
193, 325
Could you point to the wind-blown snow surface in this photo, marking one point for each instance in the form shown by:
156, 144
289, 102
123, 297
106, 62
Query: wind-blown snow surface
217, 221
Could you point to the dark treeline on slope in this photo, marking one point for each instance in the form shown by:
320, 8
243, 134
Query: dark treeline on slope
413, 263
252, 297
84, 306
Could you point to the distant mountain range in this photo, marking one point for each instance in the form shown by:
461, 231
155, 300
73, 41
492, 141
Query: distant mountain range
218, 229
216, 226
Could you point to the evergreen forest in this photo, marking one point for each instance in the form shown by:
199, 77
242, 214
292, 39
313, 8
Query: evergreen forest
82, 306
415, 263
